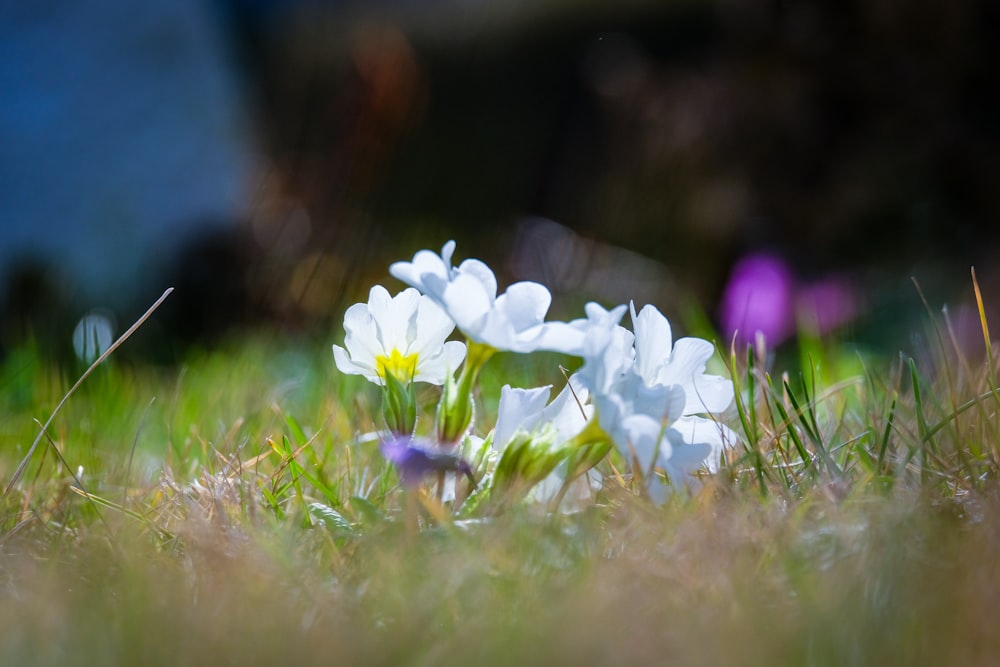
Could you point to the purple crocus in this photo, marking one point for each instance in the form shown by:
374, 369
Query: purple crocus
415, 458
823, 306
759, 298
763, 296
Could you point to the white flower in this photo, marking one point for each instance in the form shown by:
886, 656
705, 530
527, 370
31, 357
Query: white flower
647, 390
430, 273
631, 402
618, 390
689, 445
526, 411
512, 321
662, 362
696, 441
403, 335
520, 410
551, 427
607, 348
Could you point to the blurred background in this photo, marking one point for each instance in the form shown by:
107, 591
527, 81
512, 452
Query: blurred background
755, 164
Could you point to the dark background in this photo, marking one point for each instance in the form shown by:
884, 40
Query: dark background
612, 150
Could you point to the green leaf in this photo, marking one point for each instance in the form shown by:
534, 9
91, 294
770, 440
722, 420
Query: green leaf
331, 518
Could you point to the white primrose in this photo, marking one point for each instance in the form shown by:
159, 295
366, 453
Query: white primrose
661, 361
631, 398
404, 336
694, 441
688, 445
647, 391
528, 411
512, 321
559, 427
607, 349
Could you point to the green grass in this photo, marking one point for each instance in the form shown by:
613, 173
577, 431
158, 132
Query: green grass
224, 512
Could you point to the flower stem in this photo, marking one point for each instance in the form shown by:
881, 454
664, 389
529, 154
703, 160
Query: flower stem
456, 408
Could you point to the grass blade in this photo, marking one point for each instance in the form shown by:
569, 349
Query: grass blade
100, 360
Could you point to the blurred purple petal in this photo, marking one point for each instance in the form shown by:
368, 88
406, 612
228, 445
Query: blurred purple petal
827, 305
415, 458
759, 298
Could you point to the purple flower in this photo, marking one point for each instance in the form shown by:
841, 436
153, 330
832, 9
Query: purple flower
759, 298
763, 296
415, 458
826, 305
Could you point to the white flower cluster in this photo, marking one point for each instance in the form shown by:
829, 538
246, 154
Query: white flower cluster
648, 392
640, 391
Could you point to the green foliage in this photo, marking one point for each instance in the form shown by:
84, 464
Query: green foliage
237, 510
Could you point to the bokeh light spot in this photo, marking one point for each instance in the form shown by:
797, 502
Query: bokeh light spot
93, 335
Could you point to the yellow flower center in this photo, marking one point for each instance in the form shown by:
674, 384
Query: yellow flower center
402, 368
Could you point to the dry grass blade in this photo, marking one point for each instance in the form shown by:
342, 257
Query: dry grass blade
100, 360
991, 369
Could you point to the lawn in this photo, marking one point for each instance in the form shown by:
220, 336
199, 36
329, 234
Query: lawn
238, 510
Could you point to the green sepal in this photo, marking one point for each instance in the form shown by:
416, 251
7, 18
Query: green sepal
399, 406
524, 463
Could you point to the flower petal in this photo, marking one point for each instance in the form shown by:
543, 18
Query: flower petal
414, 459
482, 273
519, 410
525, 304
349, 367
467, 301
686, 367
564, 412
560, 337
433, 326
425, 263
664, 403
640, 437
710, 435
709, 393
362, 336
653, 341
395, 317
435, 369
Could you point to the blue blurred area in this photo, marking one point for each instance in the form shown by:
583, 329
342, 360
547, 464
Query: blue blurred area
124, 133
